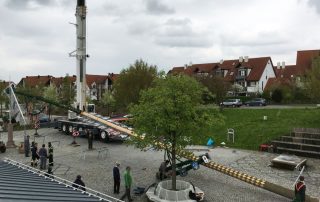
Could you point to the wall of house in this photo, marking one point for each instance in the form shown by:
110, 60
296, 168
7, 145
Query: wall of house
267, 73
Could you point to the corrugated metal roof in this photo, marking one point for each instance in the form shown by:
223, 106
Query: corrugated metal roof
18, 183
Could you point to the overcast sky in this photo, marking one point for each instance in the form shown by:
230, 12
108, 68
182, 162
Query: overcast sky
36, 37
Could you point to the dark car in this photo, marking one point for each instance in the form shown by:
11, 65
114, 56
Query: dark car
43, 118
256, 102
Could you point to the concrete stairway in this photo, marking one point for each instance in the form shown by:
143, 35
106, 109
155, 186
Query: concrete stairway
301, 142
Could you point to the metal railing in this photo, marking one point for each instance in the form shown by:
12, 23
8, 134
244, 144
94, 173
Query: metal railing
67, 183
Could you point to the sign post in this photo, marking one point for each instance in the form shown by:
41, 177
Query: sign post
75, 134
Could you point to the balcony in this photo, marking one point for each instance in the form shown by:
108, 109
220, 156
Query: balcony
239, 77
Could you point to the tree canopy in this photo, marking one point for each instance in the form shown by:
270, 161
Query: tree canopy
313, 81
217, 86
108, 101
170, 112
67, 95
131, 81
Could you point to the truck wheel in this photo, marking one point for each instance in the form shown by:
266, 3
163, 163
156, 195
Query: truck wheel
104, 136
64, 128
70, 129
80, 129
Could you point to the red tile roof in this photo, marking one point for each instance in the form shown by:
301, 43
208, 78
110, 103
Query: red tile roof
257, 66
288, 72
33, 81
176, 70
204, 68
98, 79
57, 81
228, 64
304, 60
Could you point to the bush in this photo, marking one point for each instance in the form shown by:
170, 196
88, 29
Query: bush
277, 95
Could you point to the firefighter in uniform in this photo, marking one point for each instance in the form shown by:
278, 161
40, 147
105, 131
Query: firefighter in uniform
50, 150
300, 190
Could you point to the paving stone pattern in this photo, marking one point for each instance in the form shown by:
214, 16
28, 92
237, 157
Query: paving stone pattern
96, 171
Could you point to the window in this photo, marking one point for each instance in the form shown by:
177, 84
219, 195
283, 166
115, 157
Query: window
242, 73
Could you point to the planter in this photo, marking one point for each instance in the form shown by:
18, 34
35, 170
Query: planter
162, 192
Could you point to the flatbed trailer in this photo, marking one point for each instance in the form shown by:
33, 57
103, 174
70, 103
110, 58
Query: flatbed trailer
100, 132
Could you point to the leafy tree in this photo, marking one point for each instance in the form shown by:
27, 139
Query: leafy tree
29, 103
3, 98
169, 112
68, 93
131, 81
217, 86
50, 93
313, 81
108, 101
277, 95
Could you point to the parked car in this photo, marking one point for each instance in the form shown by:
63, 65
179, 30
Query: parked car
256, 102
231, 103
43, 118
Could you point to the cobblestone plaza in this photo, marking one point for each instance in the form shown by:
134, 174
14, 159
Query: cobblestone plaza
95, 167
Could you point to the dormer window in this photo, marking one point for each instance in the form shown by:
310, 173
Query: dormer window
242, 73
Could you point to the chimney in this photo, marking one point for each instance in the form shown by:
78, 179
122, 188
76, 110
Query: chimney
278, 65
221, 61
246, 58
283, 65
38, 76
240, 59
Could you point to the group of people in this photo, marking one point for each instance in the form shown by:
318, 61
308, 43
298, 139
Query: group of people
127, 181
41, 154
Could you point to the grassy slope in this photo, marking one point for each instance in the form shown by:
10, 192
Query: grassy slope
251, 130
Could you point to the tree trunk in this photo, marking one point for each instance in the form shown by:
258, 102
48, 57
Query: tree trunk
173, 152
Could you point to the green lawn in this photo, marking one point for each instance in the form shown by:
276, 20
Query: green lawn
251, 130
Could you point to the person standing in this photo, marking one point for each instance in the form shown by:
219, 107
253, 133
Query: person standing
78, 182
43, 157
50, 150
128, 183
34, 154
300, 190
26, 146
116, 178
162, 169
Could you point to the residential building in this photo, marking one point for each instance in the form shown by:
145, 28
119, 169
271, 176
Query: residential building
251, 74
294, 74
96, 84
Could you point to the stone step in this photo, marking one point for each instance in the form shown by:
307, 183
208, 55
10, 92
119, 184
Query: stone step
299, 152
296, 145
300, 140
313, 135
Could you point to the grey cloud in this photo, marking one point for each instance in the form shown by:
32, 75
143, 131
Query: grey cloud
258, 39
316, 4
156, 8
183, 41
180, 33
28, 4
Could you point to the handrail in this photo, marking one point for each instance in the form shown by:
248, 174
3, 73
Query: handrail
65, 182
